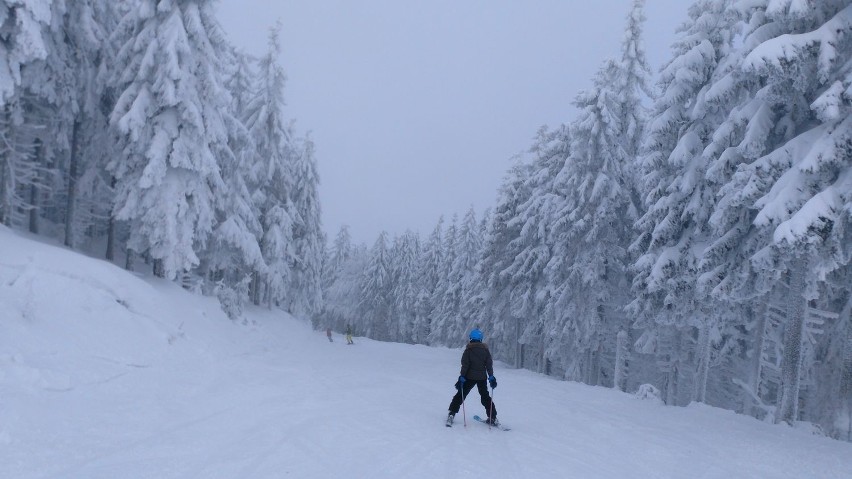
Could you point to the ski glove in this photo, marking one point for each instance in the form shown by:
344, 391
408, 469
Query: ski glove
493, 381
460, 382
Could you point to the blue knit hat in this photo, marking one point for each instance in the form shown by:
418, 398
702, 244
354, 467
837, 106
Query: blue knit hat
476, 335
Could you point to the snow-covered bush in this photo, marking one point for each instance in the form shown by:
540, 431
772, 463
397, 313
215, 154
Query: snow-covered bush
648, 392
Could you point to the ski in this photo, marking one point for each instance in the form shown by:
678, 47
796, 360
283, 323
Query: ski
498, 426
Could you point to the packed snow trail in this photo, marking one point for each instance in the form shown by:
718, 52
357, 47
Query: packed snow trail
107, 375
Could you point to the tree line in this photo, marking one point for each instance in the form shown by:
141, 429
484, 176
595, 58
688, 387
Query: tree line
701, 245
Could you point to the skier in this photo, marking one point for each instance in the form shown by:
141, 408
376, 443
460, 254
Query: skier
328, 333
349, 334
476, 367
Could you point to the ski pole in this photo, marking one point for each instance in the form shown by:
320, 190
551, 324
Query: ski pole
464, 413
491, 409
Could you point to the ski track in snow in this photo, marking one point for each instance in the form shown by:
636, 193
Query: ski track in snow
107, 375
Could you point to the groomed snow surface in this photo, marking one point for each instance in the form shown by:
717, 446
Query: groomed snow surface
104, 374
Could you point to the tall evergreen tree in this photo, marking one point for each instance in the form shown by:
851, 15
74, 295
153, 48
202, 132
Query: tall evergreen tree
376, 286
789, 207
306, 286
168, 117
271, 176
429, 272
676, 193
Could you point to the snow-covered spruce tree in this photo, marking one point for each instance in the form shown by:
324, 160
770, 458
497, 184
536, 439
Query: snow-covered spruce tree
270, 177
233, 253
790, 207
598, 204
339, 253
305, 293
342, 293
89, 196
170, 125
24, 31
677, 196
591, 226
443, 314
404, 285
463, 277
23, 27
529, 251
497, 255
429, 274
632, 81
375, 305
19, 170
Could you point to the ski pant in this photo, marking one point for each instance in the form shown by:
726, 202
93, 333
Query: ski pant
484, 397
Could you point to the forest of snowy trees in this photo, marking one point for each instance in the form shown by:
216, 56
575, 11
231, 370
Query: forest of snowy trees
692, 231
133, 129
701, 245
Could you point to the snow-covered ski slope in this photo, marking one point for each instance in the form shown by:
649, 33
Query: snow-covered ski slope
107, 375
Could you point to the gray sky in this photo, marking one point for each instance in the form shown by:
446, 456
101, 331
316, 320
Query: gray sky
416, 107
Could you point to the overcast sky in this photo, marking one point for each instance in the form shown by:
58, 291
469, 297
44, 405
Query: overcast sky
417, 107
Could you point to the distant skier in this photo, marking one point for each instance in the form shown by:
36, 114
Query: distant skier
349, 335
328, 333
476, 367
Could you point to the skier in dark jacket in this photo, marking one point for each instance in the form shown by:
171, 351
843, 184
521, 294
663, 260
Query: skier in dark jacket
476, 367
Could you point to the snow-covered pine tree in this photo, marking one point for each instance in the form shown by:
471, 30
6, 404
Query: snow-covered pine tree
591, 230
463, 278
23, 27
441, 316
85, 36
599, 201
677, 195
169, 121
496, 256
25, 30
342, 290
404, 285
790, 207
270, 176
429, 272
305, 295
375, 305
632, 81
233, 252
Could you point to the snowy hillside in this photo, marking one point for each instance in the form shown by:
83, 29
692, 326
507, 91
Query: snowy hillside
107, 375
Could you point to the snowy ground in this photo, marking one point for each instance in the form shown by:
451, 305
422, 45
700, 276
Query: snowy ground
107, 375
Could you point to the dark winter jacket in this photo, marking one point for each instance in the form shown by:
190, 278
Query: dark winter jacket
476, 363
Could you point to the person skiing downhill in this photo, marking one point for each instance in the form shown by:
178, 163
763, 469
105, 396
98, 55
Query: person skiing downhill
476, 367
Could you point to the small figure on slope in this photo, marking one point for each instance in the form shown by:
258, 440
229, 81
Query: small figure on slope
349, 334
328, 333
476, 367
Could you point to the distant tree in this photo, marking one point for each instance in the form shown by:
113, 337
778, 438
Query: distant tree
375, 283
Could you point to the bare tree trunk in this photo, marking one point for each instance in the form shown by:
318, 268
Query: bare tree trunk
702, 355
128, 260
71, 200
111, 226
792, 362
621, 355
34, 188
6, 148
159, 268
757, 357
